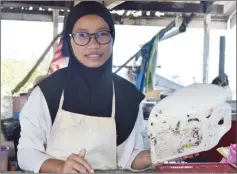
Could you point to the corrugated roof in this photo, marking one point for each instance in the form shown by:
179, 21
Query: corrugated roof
170, 9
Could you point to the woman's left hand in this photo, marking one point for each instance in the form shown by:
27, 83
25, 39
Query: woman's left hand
143, 160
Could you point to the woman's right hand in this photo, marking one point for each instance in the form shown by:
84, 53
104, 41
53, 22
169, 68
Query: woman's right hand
76, 163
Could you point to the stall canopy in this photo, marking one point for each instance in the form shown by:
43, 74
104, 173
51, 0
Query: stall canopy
158, 13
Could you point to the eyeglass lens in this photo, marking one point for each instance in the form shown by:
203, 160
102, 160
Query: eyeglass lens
83, 38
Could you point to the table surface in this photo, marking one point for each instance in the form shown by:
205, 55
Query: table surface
126, 171
150, 170
107, 171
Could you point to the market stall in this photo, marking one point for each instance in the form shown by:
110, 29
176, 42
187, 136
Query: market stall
193, 14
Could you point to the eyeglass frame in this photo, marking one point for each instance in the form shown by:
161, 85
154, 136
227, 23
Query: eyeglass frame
90, 35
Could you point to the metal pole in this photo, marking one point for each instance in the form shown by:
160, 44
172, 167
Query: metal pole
207, 21
181, 29
76, 2
222, 58
171, 34
166, 29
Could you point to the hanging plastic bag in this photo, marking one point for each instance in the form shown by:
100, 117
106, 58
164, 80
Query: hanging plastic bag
228, 153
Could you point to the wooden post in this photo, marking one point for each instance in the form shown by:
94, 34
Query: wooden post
55, 27
27, 77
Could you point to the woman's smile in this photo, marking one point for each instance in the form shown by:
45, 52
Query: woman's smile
94, 56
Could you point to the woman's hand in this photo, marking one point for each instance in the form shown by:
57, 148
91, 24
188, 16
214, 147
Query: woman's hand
142, 161
76, 163
190, 156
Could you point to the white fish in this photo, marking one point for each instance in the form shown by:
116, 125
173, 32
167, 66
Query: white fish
188, 121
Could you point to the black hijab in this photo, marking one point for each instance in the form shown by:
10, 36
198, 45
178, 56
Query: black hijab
89, 90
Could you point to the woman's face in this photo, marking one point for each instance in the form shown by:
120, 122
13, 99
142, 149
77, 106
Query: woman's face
92, 54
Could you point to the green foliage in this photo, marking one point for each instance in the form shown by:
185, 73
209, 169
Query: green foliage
14, 70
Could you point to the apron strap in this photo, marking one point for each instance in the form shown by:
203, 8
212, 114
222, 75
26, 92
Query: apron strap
113, 102
61, 100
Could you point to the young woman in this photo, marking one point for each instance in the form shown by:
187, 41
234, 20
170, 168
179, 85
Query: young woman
84, 117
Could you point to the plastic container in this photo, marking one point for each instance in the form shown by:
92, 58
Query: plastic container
16, 115
197, 168
13, 166
4, 158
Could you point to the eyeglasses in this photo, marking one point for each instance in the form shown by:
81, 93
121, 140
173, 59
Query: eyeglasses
83, 38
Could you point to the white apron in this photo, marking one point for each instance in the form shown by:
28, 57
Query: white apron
73, 132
